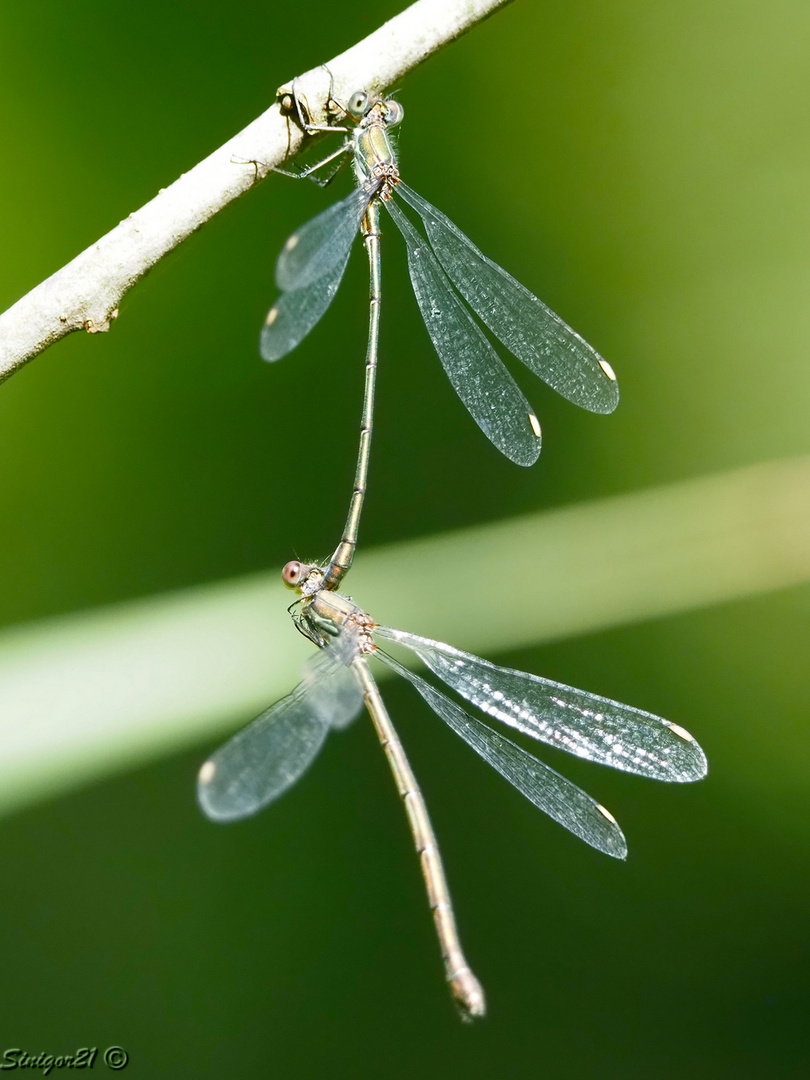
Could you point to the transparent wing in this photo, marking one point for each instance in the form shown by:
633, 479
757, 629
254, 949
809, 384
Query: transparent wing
309, 271
322, 243
477, 373
334, 690
546, 789
529, 329
584, 724
260, 762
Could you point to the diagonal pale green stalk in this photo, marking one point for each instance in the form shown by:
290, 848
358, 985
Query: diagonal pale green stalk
88, 694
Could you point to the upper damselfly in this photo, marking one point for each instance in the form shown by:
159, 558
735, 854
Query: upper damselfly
457, 288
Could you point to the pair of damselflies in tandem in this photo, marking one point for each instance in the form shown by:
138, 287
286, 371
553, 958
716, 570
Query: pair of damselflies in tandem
266, 758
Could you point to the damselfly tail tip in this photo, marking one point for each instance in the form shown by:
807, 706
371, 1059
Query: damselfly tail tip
468, 995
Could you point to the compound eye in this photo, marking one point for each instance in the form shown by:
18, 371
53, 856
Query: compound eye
394, 112
292, 573
358, 103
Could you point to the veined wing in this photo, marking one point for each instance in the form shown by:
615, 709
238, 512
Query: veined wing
584, 724
260, 762
477, 373
309, 271
525, 325
322, 243
550, 792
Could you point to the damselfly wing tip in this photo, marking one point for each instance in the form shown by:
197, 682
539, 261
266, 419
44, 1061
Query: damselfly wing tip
613, 843
608, 397
207, 770
692, 760
608, 370
206, 793
273, 342
519, 449
676, 729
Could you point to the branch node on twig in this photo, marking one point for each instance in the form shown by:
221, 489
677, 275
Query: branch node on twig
93, 327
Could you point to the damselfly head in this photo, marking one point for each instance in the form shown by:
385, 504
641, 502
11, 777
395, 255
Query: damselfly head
292, 574
295, 574
359, 104
394, 112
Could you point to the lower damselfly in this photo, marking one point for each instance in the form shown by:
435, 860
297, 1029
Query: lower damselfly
457, 288
267, 757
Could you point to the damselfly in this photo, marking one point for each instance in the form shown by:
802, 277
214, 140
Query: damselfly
264, 759
454, 283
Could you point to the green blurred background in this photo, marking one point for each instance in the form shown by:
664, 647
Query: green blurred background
643, 168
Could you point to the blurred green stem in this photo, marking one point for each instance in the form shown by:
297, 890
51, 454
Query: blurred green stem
87, 694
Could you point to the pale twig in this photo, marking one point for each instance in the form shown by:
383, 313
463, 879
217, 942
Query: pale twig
85, 294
